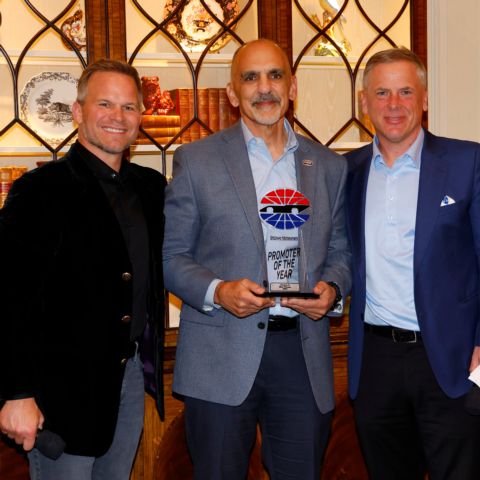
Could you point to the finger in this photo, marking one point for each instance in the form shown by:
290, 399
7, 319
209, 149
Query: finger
28, 443
298, 302
265, 302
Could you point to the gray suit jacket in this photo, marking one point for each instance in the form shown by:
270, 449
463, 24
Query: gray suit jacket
213, 230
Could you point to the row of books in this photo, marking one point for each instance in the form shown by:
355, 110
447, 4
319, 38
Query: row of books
213, 110
7, 176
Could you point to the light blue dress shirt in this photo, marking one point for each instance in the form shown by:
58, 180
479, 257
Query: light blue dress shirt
268, 175
390, 216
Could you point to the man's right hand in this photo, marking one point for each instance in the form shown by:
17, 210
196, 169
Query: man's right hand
240, 297
20, 420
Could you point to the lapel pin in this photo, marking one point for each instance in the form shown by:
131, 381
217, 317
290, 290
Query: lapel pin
307, 163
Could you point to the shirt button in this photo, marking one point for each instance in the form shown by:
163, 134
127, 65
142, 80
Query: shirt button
126, 277
126, 318
261, 325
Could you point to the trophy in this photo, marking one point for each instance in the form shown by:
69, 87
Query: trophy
284, 211
334, 31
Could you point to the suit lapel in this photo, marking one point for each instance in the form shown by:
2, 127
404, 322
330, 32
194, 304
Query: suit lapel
151, 210
357, 194
306, 169
235, 156
433, 174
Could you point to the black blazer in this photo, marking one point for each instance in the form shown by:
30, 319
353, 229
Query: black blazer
63, 297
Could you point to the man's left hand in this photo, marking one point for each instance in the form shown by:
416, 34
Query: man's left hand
314, 308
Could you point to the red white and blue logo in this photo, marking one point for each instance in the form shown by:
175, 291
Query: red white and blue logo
283, 209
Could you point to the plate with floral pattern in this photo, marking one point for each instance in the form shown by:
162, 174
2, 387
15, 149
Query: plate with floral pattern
193, 26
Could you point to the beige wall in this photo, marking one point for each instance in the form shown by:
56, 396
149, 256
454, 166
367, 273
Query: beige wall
454, 68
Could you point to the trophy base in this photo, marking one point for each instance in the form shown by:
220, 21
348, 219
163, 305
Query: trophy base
291, 294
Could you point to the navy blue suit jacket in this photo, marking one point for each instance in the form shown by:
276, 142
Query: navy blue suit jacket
446, 258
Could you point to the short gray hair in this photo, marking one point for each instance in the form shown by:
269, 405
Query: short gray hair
400, 54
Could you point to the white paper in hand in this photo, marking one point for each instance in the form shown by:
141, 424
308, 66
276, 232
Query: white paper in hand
475, 376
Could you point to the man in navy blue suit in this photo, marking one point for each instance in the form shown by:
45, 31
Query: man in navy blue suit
414, 225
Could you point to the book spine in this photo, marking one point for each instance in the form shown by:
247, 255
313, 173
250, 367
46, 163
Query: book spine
213, 109
5, 184
223, 106
160, 132
194, 130
156, 121
180, 96
203, 111
147, 141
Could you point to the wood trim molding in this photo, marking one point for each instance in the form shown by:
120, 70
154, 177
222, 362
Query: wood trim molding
418, 31
275, 22
419, 36
106, 34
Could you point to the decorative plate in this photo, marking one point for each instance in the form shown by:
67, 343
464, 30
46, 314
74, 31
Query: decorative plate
193, 27
74, 29
46, 105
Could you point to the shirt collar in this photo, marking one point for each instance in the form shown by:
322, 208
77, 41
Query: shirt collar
99, 168
251, 141
412, 155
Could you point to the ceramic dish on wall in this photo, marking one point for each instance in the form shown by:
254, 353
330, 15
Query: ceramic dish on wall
193, 27
75, 30
46, 105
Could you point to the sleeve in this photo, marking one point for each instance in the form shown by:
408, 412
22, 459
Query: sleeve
25, 246
183, 275
475, 221
337, 267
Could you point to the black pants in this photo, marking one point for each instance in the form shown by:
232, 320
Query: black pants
294, 432
406, 424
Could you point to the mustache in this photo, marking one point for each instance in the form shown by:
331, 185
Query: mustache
265, 97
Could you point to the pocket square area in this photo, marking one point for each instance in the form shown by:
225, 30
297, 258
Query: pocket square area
446, 200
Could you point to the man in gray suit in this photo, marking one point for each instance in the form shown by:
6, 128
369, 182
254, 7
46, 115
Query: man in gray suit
250, 210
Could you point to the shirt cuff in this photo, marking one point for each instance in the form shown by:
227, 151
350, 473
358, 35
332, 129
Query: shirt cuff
208, 303
337, 308
337, 311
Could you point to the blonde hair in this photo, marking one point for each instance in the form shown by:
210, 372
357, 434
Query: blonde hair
107, 65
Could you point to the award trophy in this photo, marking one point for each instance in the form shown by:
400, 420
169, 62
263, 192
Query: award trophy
284, 212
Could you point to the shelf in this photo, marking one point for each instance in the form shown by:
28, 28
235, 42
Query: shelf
41, 151
151, 149
171, 59
41, 57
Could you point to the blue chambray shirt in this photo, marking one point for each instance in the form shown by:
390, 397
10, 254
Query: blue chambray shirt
267, 175
390, 215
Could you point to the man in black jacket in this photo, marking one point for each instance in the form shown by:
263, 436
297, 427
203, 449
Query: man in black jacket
81, 290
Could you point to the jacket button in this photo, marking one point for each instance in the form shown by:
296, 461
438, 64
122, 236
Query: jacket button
126, 318
126, 277
261, 325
